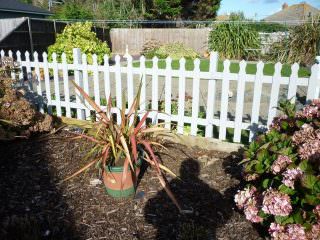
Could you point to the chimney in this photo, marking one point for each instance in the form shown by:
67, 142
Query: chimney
285, 6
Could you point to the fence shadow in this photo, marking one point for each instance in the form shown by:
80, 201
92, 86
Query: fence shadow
31, 206
205, 207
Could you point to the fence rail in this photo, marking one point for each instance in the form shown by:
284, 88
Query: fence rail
121, 79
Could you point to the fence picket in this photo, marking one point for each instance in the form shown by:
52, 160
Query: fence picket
106, 77
168, 92
85, 78
56, 84
78, 80
256, 100
211, 94
96, 84
155, 87
13, 75
224, 100
21, 68
240, 101
118, 88
313, 86
182, 96
28, 69
46, 80
66, 84
37, 79
143, 83
195, 97
292, 89
275, 88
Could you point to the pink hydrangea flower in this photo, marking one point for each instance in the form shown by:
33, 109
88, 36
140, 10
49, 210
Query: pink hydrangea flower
290, 176
280, 164
251, 212
276, 203
242, 197
288, 232
314, 234
276, 230
316, 211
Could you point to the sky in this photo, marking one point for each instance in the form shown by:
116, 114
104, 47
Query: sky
259, 9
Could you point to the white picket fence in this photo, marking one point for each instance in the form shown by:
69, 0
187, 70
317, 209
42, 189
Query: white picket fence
97, 77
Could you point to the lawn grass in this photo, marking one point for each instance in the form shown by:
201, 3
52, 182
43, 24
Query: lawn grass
234, 67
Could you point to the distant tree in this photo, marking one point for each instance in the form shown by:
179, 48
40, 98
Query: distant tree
73, 10
26, 1
163, 9
237, 16
200, 9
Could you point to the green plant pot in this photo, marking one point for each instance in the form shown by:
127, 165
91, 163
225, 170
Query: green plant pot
112, 178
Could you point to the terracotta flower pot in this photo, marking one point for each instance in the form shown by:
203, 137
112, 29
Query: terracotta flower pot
112, 178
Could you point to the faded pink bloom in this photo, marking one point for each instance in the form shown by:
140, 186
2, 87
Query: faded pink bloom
276, 123
276, 230
242, 197
316, 211
288, 232
290, 176
251, 212
280, 164
276, 203
251, 177
314, 234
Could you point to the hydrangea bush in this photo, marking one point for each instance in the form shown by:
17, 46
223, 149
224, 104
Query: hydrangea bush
281, 168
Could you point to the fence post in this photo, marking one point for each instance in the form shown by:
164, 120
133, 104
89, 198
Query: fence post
313, 86
78, 80
211, 93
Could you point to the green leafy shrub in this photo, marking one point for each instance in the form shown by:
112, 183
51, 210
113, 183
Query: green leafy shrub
174, 50
149, 48
282, 171
269, 27
79, 35
301, 46
234, 40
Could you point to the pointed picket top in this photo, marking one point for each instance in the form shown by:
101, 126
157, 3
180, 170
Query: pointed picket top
129, 58
155, 59
95, 59
260, 67
44, 55
226, 66
213, 55
64, 58
243, 66
182, 63
277, 69
27, 55
2, 53
196, 63
18, 56
117, 59
36, 56
106, 60
168, 62
142, 58
10, 53
295, 69
54, 57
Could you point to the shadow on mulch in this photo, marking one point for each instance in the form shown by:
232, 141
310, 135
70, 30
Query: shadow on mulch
31, 206
205, 207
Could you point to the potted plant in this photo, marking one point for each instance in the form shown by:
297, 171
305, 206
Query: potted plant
119, 149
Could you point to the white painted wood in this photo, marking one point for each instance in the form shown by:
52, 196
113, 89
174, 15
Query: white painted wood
224, 100
85, 79
13, 75
118, 87
37, 80
155, 89
78, 81
274, 93
143, 83
96, 85
240, 101
313, 82
256, 99
130, 81
56, 84
46, 81
168, 92
195, 98
66, 84
293, 81
106, 77
182, 97
20, 67
211, 94
2, 53
29, 72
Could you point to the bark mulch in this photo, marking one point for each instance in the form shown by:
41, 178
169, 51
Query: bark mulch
33, 205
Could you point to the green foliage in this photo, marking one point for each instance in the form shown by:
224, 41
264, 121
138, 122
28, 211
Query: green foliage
297, 47
237, 16
79, 35
233, 40
200, 9
164, 9
269, 27
173, 50
120, 10
73, 10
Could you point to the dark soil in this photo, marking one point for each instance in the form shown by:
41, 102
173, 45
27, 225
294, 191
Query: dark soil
34, 206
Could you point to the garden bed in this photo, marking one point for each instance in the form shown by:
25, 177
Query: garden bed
35, 206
